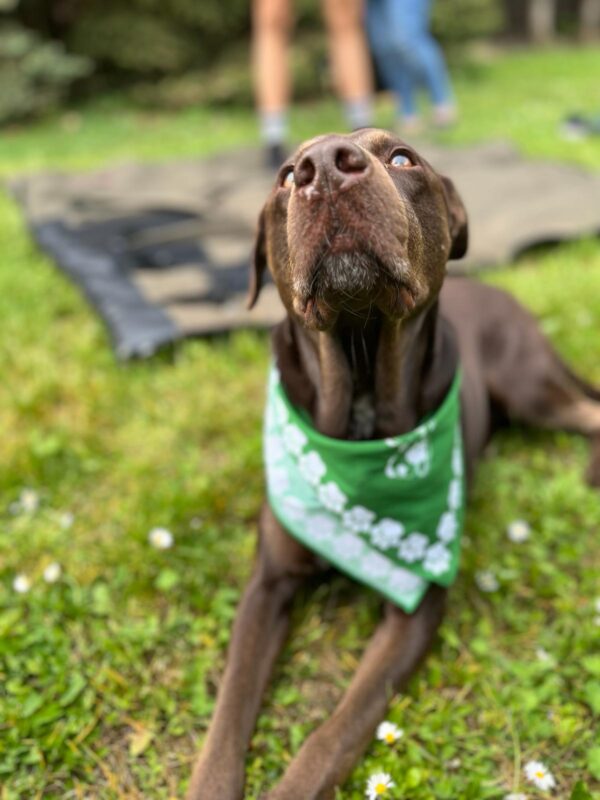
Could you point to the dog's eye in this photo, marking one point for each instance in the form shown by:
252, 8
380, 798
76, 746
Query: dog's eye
401, 160
287, 178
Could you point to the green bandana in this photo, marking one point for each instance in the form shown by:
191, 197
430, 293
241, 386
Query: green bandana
388, 512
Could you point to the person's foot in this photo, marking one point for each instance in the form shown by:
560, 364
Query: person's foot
444, 115
275, 155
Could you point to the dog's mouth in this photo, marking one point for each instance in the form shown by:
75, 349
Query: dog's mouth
350, 282
352, 253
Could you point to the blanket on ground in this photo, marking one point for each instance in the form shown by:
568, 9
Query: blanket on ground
162, 249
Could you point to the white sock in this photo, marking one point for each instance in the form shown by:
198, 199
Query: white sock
359, 113
273, 127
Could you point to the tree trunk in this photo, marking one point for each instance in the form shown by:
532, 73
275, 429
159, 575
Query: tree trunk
589, 19
542, 20
516, 18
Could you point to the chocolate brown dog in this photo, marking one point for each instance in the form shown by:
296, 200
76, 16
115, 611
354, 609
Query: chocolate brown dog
356, 234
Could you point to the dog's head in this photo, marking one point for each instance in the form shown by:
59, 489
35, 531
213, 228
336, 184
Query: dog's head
357, 223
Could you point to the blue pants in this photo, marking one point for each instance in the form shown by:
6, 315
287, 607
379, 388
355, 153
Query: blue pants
406, 54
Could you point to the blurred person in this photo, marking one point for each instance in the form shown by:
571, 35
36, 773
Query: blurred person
407, 57
272, 24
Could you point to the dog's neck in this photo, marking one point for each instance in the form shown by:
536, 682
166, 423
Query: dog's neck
370, 380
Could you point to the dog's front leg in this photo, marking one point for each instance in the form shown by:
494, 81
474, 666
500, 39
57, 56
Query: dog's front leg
259, 632
330, 753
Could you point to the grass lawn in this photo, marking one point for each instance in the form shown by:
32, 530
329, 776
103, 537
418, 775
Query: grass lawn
108, 676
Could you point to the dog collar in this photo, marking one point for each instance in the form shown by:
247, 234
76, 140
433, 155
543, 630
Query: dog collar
388, 512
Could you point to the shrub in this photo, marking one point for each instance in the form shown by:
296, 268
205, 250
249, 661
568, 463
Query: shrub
35, 74
460, 20
158, 37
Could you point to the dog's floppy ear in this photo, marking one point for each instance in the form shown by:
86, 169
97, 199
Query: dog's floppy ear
457, 220
259, 263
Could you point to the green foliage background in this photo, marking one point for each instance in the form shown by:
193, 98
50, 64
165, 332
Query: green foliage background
171, 53
35, 73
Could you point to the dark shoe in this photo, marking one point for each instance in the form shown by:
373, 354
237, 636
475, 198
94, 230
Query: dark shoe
275, 155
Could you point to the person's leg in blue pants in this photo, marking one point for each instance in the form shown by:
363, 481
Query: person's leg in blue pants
407, 56
390, 58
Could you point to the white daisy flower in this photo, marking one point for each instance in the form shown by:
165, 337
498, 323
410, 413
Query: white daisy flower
413, 547
447, 527
543, 655
487, 581
389, 733
455, 494
518, 531
332, 497
515, 796
21, 584
378, 785
293, 439
312, 467
358, 519
160, 538
322, 526
66, 520
376, 565
387, 533
539, 774
29, 500
401, 580
52, 572
437, 560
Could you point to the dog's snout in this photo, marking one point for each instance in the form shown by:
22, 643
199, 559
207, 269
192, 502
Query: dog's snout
350, 159
334, 164
305, 171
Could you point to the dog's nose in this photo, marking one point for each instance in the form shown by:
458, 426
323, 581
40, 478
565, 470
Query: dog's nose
334, 163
